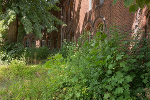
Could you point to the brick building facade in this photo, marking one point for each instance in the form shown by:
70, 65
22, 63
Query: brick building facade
87, 15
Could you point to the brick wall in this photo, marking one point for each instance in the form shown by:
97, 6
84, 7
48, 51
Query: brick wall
82, 17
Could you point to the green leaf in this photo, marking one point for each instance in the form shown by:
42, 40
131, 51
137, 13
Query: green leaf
108, 57
121, 80
98, 33
132, 60
133, 8
126, 68
148, 5
128, 78
123, 64
78, 94
147, 1
141, 3
103, 36
109, 72
110, 66
119, 75
148, 64
106, 95
119, 90
119, 57
126, 86
114, 2
128, 3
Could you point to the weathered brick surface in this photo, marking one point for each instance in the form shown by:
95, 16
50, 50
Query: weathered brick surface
114, 15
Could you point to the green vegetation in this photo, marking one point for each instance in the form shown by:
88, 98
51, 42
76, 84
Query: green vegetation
33, 15
17, 51
107, 67
135, 4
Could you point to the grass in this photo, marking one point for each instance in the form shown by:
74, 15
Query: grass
18, 81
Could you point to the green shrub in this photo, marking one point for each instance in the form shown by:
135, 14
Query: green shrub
37, 53
104, 68
68, 49
11, 51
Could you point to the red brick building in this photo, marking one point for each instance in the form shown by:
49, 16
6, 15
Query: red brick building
87, 15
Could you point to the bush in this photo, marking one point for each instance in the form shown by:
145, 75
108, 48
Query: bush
11, 51
68, 49
37, 53
103, 68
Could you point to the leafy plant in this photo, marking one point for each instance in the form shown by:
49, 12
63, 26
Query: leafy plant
11, 51
37, 53
102, 68
135, 4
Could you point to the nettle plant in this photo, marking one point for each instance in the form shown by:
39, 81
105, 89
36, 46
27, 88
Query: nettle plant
103, 68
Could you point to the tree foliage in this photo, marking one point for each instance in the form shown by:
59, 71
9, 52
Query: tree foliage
134, 4
33, 14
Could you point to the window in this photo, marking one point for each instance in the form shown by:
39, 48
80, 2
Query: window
89, 32
90, 4
43, 43
49, 44
100, 27
27, 42
56, 44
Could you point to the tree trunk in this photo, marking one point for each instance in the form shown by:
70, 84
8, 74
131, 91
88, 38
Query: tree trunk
12, 32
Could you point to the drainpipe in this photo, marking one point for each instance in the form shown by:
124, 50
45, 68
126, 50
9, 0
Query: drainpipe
61, 26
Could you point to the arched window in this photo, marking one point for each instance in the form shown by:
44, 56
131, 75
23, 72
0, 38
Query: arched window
100, 27
26, 42
43, 43
89, 32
